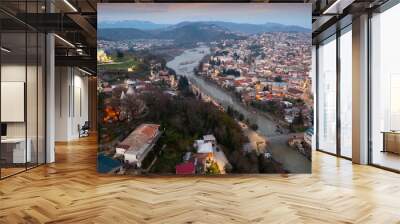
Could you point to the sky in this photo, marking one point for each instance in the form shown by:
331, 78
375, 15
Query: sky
172, 13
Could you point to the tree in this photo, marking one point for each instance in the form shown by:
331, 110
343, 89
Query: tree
163, 63
254, 127
263, 55
183, 83
298, 123
213, 169
230, 111
241, 117
244, 163
171, 72
278, 79
235, 56
299, 119
231, 72
120, 54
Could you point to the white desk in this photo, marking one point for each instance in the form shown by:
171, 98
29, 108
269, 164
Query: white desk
19, 155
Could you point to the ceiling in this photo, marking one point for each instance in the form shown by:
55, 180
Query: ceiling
330, 15
75, 21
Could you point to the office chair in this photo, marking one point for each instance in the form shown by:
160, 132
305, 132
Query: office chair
84, 130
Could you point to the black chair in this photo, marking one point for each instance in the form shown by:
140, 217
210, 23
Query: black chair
84, 130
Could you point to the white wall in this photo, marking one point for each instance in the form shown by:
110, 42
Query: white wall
80, 112
71, 102
12, 73
61, 103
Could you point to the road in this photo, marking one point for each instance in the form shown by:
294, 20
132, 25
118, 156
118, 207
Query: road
257, 142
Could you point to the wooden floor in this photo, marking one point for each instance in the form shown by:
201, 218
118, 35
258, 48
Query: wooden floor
70, 191
5, 172
387, 159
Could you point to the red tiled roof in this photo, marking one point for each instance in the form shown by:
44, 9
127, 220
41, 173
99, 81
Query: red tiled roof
123, 146
185, 168
144, 134
149, 130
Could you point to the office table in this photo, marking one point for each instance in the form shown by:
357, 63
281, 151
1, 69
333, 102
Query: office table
391, 141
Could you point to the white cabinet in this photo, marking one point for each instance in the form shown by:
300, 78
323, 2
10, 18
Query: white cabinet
19, 155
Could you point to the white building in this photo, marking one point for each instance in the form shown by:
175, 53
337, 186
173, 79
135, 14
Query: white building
138, 144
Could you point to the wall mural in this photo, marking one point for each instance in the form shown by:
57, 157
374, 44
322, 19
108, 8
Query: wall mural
204, 89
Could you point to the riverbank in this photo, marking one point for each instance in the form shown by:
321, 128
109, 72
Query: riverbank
284, 126
291, 159
257, 142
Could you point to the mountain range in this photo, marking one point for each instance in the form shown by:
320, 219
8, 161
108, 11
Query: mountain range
137, 24
187, 31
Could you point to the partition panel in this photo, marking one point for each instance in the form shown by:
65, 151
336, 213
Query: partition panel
14, 153
327, 98
22, 90
385, 89
346, 93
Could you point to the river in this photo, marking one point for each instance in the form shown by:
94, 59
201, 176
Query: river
291, 159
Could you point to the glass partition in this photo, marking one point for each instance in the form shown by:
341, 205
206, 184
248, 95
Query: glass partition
346, 93
327, 95
13, 94
385, 89
31, 97
22, 90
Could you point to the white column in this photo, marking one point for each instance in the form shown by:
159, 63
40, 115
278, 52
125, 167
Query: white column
50, 99
360, 90
62, 103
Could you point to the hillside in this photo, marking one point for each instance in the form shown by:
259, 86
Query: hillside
192, 32
136, 24
116, 34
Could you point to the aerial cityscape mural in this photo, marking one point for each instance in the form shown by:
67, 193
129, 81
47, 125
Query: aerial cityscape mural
204, 89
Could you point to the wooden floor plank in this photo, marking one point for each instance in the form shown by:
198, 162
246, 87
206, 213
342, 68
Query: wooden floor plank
71, 191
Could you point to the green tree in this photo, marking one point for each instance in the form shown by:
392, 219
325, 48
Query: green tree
299, 119
254, 127
278, 79
230, 111
120, 54
183, 83
213, 169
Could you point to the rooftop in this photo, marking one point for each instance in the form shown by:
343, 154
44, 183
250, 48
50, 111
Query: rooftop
140, 137
205, 148
209, 138
185, 168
